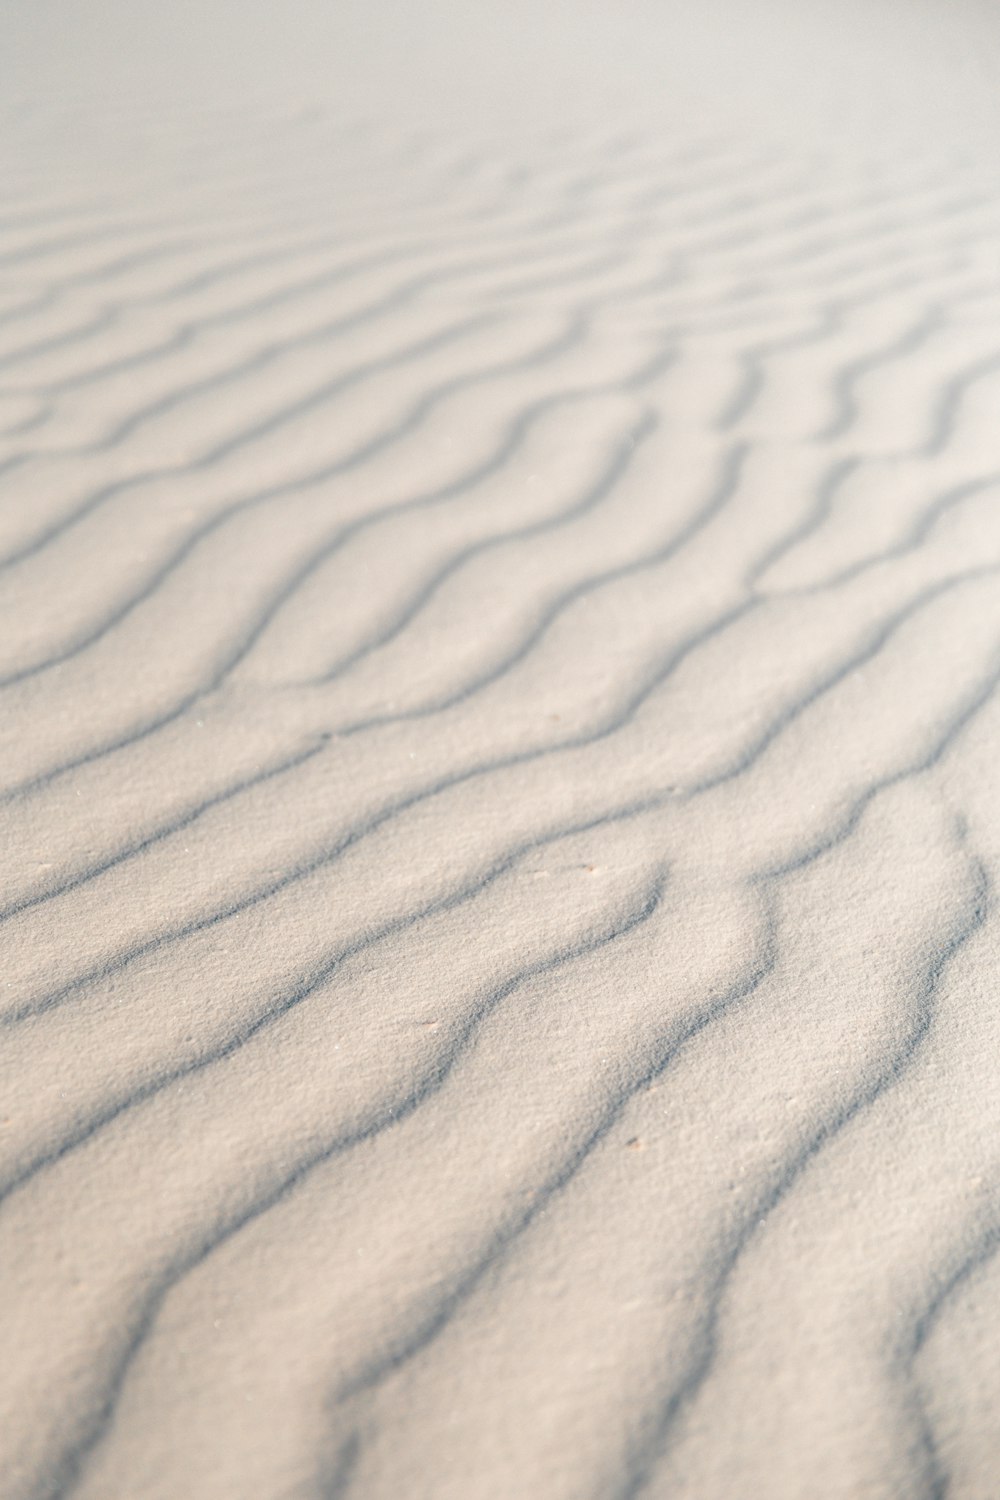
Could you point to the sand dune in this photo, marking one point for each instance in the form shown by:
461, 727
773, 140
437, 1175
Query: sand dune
499, 654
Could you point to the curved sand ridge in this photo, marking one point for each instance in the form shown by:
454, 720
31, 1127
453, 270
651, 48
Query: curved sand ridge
500, 719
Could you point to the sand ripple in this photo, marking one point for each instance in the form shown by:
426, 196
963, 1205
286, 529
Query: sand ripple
499, 670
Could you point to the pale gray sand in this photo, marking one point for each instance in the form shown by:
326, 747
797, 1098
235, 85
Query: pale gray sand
499, 648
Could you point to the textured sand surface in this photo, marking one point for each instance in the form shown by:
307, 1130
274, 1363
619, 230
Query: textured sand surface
500, 669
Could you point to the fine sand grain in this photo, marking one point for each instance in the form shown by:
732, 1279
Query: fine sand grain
500, 680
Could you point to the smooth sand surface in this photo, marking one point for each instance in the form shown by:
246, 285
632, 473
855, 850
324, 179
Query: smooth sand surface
500, 679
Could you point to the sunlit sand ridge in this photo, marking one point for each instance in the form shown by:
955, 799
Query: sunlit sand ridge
500, 666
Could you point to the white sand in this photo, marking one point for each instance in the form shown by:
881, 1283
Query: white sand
499, 647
